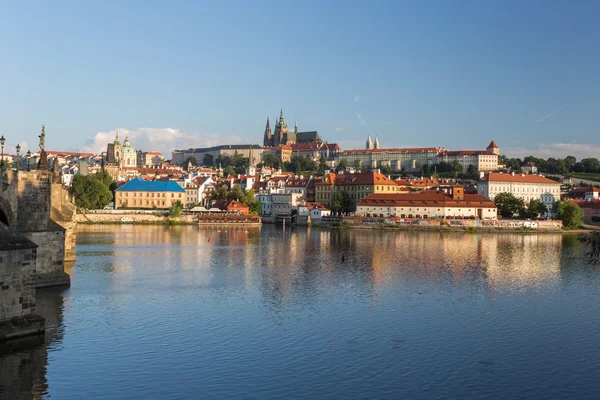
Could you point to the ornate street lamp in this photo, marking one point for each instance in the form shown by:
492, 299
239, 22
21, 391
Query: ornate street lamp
28, 160
18, 148
2, 141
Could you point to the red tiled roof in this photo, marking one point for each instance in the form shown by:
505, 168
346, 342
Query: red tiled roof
395, 150
363, 178
69, 153
594, 205
493, 145
311, 205
459, 153
429, 198
517, 178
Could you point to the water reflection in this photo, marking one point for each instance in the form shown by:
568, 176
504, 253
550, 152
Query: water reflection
308, 312
23, 362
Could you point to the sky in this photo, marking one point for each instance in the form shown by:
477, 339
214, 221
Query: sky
175, 74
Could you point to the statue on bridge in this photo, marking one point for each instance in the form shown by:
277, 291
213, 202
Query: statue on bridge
43, 163
42, 138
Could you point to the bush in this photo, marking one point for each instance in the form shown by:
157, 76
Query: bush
175, 209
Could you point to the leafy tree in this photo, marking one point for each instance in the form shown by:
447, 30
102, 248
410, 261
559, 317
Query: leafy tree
341, 166
342, 203
385, 169
253, 204
457, 167
509, 205
175, 209
591, 164
323, 167
569, 213
223, 160
236, 194
271, 160
208, 160
535, 208
91, 191
190, 159
229, 170
300, 164
219, 193
570, 162
472, 172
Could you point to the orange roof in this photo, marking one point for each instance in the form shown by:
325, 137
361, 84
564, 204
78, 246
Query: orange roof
395, 150
493, 145
311, 205
363, 178
594, 205
517, 178
459, 153
427, 198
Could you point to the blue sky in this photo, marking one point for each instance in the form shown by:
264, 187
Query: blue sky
416, 73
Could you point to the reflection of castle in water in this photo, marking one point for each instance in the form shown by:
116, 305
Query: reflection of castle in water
23, 363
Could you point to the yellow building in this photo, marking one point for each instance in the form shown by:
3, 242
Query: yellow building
138, 193
357, 186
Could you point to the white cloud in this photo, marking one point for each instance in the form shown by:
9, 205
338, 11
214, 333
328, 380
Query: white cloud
356, 97
164, 140
556, 150
360, 118
339, 129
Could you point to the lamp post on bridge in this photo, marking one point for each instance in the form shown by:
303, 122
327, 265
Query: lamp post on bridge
28, 160
18, 148
2, 141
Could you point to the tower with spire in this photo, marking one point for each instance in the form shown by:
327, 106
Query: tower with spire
268, 139
376, 142
369, 143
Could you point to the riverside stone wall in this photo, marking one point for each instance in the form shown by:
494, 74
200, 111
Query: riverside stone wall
17, 283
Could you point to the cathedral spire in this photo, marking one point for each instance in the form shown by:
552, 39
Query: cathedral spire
267, 140
369, 143
376, 142
296, 127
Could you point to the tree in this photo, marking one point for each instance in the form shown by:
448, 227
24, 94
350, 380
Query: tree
190, 159
208, 160
271, 160
569, 213
342, 203
91, 191
472, 172
229, 170
253, 204
175, 209
591, 164
457, 167
219, 193
323, 167
535, 208
341, 166
236, 194
509, 205
570, 162
385, 169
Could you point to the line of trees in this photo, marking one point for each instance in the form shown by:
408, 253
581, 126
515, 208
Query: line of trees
247, 198
553, 165
509, 205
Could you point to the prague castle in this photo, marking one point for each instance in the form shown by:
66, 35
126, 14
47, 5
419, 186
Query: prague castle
283, 137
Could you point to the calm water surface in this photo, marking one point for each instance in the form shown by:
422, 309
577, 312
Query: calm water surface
159, 312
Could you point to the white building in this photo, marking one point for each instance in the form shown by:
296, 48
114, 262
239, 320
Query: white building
525, 186
428, 204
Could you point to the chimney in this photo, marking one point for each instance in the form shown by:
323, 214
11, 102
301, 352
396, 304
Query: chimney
513, 173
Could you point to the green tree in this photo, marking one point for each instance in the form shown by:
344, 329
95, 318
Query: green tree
219, 193
253, 204
570, 162
385, 169
191, 159
323, 167
569, 213
175, 209
208, 160
229, 170
472, 172
342, 203
535, 208
457, 167
341, 166
271, 160
509, 205
90, 191
236, 194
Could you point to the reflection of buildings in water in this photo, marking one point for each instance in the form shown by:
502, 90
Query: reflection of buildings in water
23, 363
490, 260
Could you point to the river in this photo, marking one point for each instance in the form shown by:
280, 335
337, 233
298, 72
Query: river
259, 312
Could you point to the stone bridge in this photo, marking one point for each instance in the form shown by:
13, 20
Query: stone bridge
37, 238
